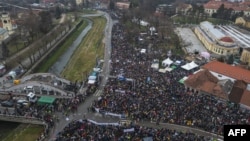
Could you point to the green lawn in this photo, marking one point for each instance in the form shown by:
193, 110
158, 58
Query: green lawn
25, 132
84, 58
64, 46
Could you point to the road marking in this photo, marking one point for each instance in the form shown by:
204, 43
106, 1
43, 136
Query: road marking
98, 93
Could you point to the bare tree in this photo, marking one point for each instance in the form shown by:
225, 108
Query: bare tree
31, 24
39, 47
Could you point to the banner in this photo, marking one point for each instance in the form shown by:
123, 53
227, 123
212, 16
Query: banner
129, 130
113, 114
103, 124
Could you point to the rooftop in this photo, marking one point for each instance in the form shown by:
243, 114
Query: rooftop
206, 82
239, 93
227, 39
228, 70
241, 6
209, 27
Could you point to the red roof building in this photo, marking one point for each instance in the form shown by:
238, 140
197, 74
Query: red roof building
212, 6
206, 83
228, 70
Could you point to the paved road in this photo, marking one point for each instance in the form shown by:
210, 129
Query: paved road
83, 108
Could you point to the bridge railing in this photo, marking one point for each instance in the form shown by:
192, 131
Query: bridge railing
22, 119
31, 120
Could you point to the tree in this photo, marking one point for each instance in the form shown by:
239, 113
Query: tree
220, 11
31, 24
58, 12
5, 50
45, 22
112, 5
221, 59
230, 59
227, 14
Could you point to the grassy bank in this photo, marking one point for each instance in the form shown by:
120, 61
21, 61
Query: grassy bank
25, 132
65, 45
84, 58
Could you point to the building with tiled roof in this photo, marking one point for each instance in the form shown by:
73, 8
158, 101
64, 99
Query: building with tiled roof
213, 5
205, 82
243, 21
240, 93
215, 40
223, 81
234, 72
183, 8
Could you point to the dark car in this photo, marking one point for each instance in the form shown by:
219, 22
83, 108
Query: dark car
7, 104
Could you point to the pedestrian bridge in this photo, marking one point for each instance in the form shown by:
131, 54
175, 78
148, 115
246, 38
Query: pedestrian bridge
22, 119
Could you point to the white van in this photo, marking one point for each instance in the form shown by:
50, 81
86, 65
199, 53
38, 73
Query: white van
28, 89
32, 97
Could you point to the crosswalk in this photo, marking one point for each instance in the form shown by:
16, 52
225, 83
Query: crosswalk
98, 93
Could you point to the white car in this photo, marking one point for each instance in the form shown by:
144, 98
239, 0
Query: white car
23, 102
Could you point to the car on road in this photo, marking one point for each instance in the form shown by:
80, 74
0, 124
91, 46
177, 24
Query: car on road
23, 102
7, 103
28, 88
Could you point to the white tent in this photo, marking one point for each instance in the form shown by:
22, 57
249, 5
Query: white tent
91, 81
155, 66
143, 50
193, 64
167, 62
189, 66
162, 70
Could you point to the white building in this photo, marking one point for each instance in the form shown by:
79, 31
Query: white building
7, 23
3, 34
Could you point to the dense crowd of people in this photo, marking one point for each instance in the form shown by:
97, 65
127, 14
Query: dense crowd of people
83, 130
46, 113
146, 94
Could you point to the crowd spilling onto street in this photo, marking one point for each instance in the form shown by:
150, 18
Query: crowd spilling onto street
83, 130
46, 113
142, 93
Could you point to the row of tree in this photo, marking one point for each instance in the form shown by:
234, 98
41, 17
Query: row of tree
227, 13
41, 46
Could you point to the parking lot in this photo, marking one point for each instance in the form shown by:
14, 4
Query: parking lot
191, 42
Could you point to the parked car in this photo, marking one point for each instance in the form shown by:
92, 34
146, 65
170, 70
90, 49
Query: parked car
23, 102
7, 103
